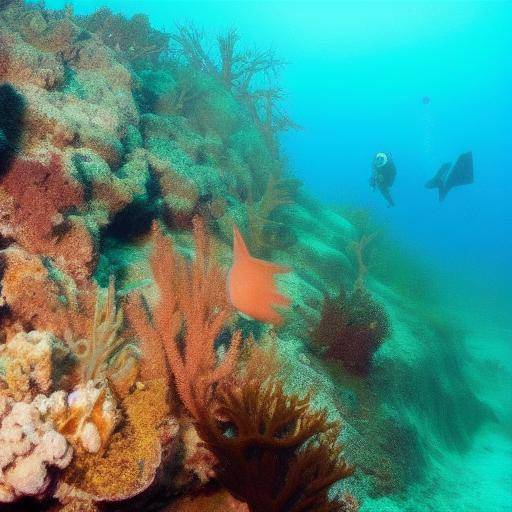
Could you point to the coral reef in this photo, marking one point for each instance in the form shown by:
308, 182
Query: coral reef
104, 132
130, 376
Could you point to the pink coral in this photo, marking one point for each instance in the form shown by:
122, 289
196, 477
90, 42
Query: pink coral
34, 201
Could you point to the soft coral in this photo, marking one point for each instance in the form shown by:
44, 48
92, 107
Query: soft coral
274, 453
351, 329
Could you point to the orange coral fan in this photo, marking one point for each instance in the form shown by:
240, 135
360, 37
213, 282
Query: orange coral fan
274, 453
189, 317
251, 284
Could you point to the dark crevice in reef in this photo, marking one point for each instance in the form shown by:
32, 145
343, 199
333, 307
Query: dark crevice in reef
135, 219
125, 228
12, 115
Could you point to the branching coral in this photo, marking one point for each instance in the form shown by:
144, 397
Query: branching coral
351, 329
278, 192
238, 70
192, 311
274, 453
103, 353
133, 37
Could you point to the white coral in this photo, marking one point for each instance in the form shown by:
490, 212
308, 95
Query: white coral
27, 365
29, 446
93, 411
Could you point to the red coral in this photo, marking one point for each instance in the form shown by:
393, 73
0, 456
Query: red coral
36, 197
351, 329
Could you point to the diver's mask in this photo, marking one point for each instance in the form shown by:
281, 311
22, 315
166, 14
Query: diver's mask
380, 160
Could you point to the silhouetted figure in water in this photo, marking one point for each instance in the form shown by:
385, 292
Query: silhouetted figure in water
460, 174
383, 175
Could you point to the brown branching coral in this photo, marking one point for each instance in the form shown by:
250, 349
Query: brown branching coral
235, 69
266, 113
133, 38
238, 70
279, 192
191, 313
359, 249
274, 452
351, 329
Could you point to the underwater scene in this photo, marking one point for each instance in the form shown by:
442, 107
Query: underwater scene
255, 256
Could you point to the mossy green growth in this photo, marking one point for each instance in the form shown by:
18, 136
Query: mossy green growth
132, 139
89, 168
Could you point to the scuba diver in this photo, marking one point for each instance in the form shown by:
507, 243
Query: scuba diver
460, 174
383, 175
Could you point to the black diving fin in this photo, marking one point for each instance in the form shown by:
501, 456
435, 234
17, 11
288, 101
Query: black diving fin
438, 181
460, 174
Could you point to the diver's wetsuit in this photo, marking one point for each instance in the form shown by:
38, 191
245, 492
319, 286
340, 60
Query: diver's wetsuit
383, 175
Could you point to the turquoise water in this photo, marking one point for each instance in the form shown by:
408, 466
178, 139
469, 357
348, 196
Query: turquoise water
356, 77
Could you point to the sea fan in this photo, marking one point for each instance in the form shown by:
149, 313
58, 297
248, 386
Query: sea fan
351, 329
